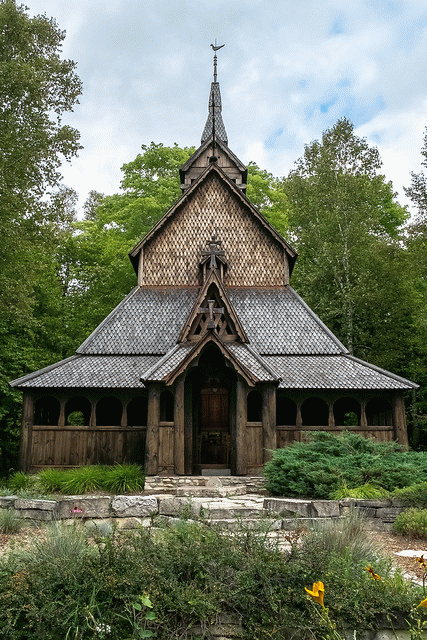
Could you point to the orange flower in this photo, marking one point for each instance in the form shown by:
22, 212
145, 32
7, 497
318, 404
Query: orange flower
317, 593
423, 603
374, 575
421, 561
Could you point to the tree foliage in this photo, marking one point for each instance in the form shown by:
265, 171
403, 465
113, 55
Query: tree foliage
37, 87
345, 223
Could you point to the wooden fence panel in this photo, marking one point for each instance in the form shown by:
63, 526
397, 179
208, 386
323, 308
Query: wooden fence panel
72, 446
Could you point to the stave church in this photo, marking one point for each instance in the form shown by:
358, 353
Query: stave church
213, 360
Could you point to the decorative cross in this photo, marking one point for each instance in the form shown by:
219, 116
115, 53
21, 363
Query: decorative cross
212, 313
213, 252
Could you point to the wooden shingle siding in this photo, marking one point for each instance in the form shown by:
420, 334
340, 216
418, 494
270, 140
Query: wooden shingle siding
254, 257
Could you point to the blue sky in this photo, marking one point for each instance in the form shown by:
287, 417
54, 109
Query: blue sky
288, 71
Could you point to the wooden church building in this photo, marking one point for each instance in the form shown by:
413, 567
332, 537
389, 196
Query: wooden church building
213, 360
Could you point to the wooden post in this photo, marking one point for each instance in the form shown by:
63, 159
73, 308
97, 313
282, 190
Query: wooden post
188, 429
399, 420
298, 422
241, 419
363, 419
92, 419
124, 420
179, 453
27, 432
153, 419
331, 419
61, 419
268, 420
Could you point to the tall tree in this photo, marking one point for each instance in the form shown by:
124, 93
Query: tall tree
345, 223
37, 87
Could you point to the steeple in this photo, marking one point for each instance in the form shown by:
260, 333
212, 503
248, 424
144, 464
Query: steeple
214, 126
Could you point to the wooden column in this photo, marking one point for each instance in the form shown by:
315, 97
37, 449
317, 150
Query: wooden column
92, 419
269, 420
153, 419
399, 420
241, 420
363, 419
298, 422
61, 419
27, 432
124, 419
331, 419
179, 454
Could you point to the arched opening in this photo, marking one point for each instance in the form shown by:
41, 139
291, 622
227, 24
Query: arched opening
315, 412
286, 411
254, 406
166, 406
77, 411
379, 413
137, 412
46, 411
109, 412
347, 412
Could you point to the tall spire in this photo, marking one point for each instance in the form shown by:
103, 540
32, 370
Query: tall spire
214, 126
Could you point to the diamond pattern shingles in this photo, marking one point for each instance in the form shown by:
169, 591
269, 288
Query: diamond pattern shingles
332, 372
277, 321
168, 363
147, 321
251, 362
91, 371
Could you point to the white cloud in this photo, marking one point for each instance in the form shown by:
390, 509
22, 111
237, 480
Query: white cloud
293, 68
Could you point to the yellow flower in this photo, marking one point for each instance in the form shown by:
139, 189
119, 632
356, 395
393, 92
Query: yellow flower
423, 603
421, 561
374, 575
317, 593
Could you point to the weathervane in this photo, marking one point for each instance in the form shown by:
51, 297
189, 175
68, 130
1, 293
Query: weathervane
215, 47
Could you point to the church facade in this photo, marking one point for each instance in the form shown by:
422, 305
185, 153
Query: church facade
213, 360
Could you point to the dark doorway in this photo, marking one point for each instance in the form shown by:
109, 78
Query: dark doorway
212, 384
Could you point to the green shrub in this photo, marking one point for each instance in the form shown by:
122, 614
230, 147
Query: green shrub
318, 467
69, 586
84, 480
52, 480
20, 481
124, 478
412, 522
9, 521
366, 491
414, 495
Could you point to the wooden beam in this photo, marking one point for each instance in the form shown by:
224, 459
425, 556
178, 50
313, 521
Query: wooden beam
241, 419
399, 420
153, 419
26, 433
268, 420
179, 452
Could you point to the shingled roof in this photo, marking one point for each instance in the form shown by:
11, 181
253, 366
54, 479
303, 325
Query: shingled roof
287, 343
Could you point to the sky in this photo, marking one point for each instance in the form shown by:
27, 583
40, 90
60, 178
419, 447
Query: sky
287, 72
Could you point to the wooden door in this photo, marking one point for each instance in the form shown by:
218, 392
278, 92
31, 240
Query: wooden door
214, 426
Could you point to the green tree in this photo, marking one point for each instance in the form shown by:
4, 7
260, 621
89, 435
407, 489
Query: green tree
345, 223
37, 88
266, 193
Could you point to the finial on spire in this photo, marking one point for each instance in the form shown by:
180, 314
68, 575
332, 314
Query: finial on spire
214, 125
216, 47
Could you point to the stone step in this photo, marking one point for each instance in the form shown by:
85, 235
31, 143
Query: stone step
260, 524
211, 491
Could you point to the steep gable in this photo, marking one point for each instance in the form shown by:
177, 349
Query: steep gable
213, 206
